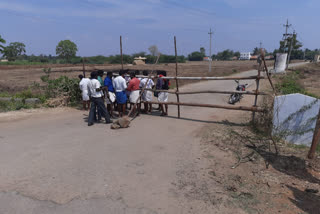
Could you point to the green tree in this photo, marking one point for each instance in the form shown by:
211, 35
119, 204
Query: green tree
2, 41
195, 56
203, 51
225, 55
237, 54
13, 50
66, 49
256, 51
296, 44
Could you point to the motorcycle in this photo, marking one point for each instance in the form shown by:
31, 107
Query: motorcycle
235, 97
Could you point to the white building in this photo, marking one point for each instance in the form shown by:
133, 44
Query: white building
245, 56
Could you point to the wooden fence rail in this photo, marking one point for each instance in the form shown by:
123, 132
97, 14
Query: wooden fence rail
207, 78
209, 92
230, 107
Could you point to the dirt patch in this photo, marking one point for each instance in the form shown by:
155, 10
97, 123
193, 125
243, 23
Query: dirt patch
253, 177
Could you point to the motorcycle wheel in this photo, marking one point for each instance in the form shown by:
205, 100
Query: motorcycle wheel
232, 99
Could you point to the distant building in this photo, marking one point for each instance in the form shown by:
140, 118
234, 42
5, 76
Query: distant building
245, 56
139, 60
254, 57
4, 60
206, 58
234, 58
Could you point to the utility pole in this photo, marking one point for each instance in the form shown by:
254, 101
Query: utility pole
291, 47
285, 36
210, 51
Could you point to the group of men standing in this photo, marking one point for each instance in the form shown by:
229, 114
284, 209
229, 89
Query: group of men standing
117, 91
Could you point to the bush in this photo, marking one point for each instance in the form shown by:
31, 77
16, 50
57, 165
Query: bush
288, 84
63, 86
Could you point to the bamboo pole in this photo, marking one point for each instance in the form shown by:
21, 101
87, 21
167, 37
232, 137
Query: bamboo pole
203, 78
83, 67
257, 87
210, 78
121, 52
240, 108
316, 139
266, 68
209, 92
177, 81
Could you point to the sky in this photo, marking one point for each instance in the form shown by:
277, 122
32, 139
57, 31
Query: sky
96, 25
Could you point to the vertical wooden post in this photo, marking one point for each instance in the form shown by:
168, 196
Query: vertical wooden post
121, 52
258, 83
316, 139
83, 68
177, 81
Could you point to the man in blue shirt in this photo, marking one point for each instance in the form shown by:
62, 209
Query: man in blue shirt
110, 96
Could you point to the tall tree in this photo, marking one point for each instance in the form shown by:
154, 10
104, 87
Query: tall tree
296, 44
203, 51
66, 49
154, 51
225, 55
195, 56
2, 41
256, 51
13, 50
237, 54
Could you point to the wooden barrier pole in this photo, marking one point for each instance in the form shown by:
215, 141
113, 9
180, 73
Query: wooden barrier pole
316, 139
210, 92
121, 52
214, 78
83, 68
257, 88
177, 81
266, 68
240, 108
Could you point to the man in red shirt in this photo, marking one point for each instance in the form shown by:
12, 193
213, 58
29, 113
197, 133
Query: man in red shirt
134, 90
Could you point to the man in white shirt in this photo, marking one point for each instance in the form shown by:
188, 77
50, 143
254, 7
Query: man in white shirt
147, 95
120, 86
85, 94
96, 97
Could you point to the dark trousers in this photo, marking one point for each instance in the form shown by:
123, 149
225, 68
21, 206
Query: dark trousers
98, 103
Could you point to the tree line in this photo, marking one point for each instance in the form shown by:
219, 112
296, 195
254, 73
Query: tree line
66, 53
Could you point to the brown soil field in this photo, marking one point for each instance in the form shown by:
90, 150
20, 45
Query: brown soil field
310, 77
17, 78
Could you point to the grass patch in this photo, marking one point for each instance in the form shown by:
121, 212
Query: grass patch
303, 147
5, 94
289, 84
14, 106
22, 62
